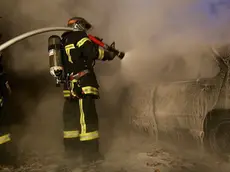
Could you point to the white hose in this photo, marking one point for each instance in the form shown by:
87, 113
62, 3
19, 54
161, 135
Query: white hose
31, 33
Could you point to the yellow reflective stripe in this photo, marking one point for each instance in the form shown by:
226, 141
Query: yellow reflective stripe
71, 134
101, 54
5, 138
82, 41
66, 93
82, 117
89, 136
90, 90
1, 102
67, 50
72, 87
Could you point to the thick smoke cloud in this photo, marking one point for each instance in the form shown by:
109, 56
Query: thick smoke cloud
146, 28
164, 41
181, 31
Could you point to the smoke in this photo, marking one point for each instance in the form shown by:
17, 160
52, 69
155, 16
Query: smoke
159, 29
180, 32
163, 41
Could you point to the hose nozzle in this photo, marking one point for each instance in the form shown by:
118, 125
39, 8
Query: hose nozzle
121, 55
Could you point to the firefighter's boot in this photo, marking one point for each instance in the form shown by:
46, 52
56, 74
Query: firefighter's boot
8, 156
72, 156
91, 155
72, 148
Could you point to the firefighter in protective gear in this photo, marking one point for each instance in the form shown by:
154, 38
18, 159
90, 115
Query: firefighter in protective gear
79, 113
7, 156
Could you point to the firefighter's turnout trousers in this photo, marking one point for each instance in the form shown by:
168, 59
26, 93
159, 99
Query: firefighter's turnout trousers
7, 149
81, 124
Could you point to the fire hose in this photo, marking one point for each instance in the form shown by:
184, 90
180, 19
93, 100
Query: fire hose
32, 33
50, 29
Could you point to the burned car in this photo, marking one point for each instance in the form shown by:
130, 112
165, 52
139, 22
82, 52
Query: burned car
186, 111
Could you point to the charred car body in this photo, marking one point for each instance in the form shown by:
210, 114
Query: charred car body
199, 108
187, 111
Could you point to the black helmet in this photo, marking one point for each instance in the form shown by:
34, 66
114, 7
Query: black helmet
79, 23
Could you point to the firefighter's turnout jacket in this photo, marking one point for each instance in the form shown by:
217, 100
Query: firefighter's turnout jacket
81, 55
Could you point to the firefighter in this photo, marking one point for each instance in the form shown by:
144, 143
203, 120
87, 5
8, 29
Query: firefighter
79, 113
7, 149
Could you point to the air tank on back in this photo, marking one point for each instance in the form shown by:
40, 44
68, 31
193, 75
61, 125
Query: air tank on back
55, 55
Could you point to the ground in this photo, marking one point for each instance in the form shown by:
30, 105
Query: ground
136, 152
126, 148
